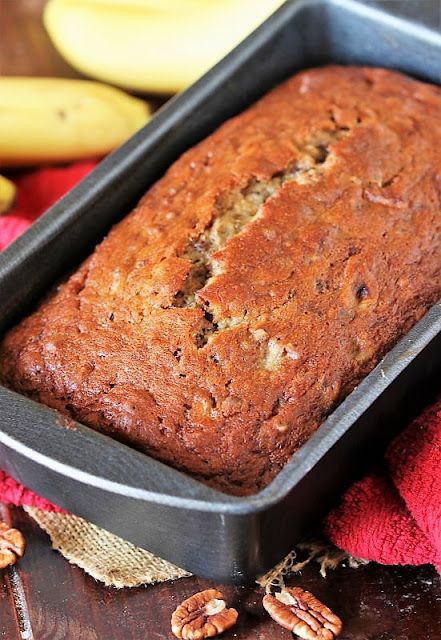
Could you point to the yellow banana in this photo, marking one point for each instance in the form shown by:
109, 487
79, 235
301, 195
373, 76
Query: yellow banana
7, 194
55, 120
150, 45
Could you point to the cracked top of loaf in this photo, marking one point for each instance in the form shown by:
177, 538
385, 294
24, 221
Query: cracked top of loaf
255, 284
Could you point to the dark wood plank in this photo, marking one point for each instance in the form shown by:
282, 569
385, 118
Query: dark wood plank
25, 47
14, 621
375, 602
8, 622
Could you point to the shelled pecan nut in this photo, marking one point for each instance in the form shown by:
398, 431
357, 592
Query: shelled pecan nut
203, 615
302, 613
12, 545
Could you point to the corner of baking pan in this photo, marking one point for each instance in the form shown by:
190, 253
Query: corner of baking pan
347, 413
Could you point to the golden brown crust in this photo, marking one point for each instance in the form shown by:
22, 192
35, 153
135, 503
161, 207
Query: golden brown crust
255, 284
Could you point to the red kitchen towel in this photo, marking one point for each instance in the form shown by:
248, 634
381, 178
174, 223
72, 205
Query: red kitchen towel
37, 190
396, 519
12, 492
392, 519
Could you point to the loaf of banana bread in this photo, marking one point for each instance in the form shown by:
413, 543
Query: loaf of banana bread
255, 284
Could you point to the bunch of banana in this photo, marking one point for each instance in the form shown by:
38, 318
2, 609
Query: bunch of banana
151, 45
54, 120
7, 194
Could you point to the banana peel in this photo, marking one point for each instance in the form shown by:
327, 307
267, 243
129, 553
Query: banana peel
45, 120
7, 194
151, 45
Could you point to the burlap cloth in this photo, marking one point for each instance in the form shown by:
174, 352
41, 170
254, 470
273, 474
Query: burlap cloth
118, 563
101, 554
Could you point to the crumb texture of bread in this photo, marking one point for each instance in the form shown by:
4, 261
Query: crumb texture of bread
255, 284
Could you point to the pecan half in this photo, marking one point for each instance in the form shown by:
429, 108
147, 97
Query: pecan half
204, 615
12, 545
300, 612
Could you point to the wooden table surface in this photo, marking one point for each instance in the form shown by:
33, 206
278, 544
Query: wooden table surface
44, 597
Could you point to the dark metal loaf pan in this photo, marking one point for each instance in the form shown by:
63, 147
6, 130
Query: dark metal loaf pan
154, 506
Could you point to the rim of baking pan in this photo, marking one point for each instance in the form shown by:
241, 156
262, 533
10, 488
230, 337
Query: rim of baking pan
201, 497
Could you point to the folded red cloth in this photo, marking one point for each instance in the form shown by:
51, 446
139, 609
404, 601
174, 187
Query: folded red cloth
12, 492
394, 519
37, 190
